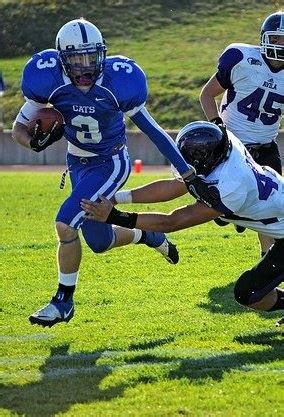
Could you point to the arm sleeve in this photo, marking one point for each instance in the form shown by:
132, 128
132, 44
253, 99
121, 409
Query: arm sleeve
229, 58
27, 111
160, 138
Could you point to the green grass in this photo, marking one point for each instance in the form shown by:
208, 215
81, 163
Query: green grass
176, 43
147, 338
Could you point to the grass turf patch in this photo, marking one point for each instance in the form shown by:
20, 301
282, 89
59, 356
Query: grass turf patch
148, 338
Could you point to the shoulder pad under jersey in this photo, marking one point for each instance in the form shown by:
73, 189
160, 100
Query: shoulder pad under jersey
42, 75
126, 80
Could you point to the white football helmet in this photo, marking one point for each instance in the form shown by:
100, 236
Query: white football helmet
82, 51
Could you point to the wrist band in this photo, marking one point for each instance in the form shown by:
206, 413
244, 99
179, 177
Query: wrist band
217, 121
122, 218
123, 197
190, 173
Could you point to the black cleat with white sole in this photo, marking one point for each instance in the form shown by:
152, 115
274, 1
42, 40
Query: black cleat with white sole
169, 251
280, 322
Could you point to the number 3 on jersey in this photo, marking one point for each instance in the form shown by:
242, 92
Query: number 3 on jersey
87, 129
122, 65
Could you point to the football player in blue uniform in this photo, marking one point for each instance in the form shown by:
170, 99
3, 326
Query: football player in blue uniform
94, 93
244, 193
251, 79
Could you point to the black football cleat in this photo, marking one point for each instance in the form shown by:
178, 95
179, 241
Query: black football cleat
280, 322
169, 251
52, 313
240, 229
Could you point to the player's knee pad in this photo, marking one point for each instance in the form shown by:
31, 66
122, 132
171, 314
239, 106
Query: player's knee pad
249, 289
243, 288
256, 283
98, 236
98, 247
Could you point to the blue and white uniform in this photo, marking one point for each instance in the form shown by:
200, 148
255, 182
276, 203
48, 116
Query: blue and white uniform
97, 157
253, 103
250, 195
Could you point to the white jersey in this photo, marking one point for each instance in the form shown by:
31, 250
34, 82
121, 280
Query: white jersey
253, 103
250, 195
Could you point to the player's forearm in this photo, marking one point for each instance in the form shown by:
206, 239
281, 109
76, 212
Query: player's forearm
179, 219
209, 105
156, 222
154, 192
207, 98
20, 134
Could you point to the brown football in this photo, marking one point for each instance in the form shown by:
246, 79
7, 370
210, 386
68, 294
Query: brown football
47, 116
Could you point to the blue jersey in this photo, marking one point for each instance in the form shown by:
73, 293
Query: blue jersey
95, 119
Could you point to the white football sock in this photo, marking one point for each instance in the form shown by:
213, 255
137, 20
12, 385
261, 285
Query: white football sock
68, 279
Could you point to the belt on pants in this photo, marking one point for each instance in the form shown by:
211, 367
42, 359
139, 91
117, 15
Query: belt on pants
115, 150
259, 145
86, 160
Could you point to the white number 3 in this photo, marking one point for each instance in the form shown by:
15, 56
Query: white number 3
118, 65
49, 63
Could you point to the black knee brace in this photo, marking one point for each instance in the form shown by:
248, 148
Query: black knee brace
243, 289
256, 283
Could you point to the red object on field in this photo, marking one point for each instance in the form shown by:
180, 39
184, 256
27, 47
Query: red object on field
47, 116
138, 165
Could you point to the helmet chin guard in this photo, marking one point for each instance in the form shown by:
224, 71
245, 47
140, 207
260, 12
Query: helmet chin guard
82, 51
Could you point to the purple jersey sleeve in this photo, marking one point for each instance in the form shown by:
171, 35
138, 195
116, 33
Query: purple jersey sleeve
229, 58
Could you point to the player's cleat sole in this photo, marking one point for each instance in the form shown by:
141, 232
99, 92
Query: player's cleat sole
280, 322
53, 313
169, 251
220, 222
240, 229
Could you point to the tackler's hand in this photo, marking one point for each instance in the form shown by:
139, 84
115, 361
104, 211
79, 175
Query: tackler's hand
97, 210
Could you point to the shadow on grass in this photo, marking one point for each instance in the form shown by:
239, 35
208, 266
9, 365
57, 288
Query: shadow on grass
68, 379
215, 366
222, 300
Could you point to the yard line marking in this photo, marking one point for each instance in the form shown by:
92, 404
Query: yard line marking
202, 354
59, 373
22, 337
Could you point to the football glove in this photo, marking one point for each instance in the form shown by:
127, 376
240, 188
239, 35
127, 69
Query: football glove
200, 190
217, 121
42, 140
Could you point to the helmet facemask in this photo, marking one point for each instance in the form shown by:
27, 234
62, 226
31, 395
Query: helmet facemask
272, 37
272, 45
83, 67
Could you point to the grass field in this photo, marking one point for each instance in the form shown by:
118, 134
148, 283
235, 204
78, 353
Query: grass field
147, 338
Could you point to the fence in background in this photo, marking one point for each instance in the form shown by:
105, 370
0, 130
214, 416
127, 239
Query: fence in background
139, 145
